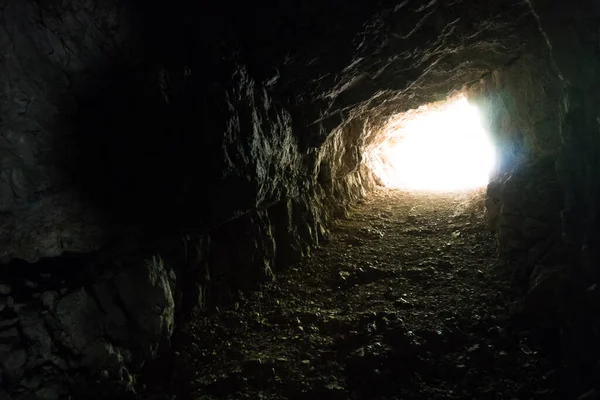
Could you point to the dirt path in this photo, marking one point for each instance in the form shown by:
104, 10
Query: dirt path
406, 301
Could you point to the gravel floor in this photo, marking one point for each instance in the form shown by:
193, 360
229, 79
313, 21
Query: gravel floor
405, 301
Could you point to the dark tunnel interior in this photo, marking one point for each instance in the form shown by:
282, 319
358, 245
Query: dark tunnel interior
197, 200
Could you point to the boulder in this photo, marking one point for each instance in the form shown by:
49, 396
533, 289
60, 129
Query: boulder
145, 294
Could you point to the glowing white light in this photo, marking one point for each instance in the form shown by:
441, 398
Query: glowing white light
442, 150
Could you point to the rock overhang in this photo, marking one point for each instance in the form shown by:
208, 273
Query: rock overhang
401, 56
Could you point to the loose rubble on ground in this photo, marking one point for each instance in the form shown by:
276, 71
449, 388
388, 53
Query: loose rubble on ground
406, 300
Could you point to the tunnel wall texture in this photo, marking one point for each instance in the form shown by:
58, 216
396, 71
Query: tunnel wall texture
139, 184
148, 169
543, 200
519, 107
571, 32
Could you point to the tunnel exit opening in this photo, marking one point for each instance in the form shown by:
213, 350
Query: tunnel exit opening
438, 147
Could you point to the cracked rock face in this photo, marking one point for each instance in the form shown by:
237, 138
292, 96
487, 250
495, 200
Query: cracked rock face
47, 51
105, 329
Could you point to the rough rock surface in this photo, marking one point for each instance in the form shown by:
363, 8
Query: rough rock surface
571, 32
49, 334
196, 128
127, 131
48, 51
406, 300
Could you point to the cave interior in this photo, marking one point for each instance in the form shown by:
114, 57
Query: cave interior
162, 163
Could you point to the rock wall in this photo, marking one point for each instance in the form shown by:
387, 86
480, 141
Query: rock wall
519, 106
137, 186
57, 333
571, 33
543, 202
48, 50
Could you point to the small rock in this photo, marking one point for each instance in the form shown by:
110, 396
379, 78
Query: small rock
19, 306
344, 275
14, 362
4, 349
592, 288
593, 394
526, 349
48, 299
402, 303
9, 336
5, 289
371, 327
60, 363
31, 383
473, 348
47, 393
5, 323
31, 284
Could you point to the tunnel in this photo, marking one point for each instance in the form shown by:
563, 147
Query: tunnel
437, 147
386, 199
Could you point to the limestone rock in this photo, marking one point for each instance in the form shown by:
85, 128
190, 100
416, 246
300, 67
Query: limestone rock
79, 322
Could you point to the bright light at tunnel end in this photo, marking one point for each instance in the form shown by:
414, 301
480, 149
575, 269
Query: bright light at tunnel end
445, 149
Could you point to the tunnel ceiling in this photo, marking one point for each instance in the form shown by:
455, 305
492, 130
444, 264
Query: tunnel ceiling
87, 120
332, 61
